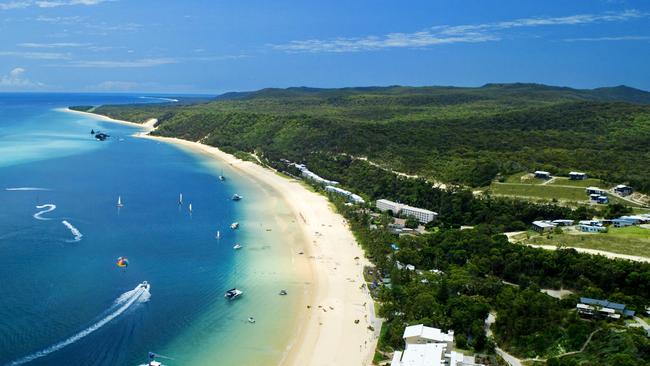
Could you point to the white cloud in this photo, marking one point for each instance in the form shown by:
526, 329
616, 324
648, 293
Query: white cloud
115, 64
609, 39
15, 5
60, 20
53, 45
36, 55
446, 34
20, 4
15, 80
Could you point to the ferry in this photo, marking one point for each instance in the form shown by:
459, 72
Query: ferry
232, 294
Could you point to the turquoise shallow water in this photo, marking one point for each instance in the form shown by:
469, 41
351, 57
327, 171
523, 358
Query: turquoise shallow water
60, 294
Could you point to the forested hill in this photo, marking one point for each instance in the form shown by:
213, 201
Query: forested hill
459, 135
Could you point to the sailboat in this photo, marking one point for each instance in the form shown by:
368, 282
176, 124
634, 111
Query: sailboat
222, 177
190, 208
119, 201
180, 199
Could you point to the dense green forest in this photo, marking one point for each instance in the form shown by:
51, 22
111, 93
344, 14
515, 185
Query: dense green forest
464, 136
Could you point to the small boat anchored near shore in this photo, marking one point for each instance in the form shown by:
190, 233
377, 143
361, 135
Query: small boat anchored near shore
236, 197
234, 225
233, 293
237, 246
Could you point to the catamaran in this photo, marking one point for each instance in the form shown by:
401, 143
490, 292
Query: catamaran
119, 201
233, 293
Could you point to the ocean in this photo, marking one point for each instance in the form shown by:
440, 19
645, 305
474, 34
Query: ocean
64, 299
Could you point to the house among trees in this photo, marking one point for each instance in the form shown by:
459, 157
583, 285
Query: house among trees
602, 308
577, 176
596, 190
623, 190
541, 174
542, 226
598, 198
427, 346
593, 228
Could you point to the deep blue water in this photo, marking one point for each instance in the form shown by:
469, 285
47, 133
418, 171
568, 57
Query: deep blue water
54, 287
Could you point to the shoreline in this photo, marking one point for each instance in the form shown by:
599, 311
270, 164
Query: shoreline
329, 334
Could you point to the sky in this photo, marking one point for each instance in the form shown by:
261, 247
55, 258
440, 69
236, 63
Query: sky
214, 46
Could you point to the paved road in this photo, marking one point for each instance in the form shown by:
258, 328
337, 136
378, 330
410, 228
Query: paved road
510, 359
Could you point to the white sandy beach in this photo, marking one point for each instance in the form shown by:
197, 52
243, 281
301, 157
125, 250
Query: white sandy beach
329, 336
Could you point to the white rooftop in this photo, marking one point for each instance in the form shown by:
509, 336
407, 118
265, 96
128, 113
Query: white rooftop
543, 224
576, 173
420, 355
428, 333
542, 172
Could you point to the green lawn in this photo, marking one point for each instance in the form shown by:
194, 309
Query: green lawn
540, 191
589, 182
523, 178
631, 240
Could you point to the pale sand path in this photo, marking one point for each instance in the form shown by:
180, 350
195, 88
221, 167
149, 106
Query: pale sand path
329, 335
610, 255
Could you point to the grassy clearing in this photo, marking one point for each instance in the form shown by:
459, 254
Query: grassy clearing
541, 191
523, 178
564, 181
631, 240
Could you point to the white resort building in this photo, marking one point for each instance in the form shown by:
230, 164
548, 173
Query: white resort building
424, 216
308, 174
350, 196
427, 346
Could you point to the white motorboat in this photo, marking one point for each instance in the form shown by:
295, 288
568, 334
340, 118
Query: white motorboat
119, 201
236, 197
234, 225
233, 293
237, 246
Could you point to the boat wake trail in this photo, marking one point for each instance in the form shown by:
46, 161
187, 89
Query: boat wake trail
139, 294
77, 234
47, 208
26, 189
